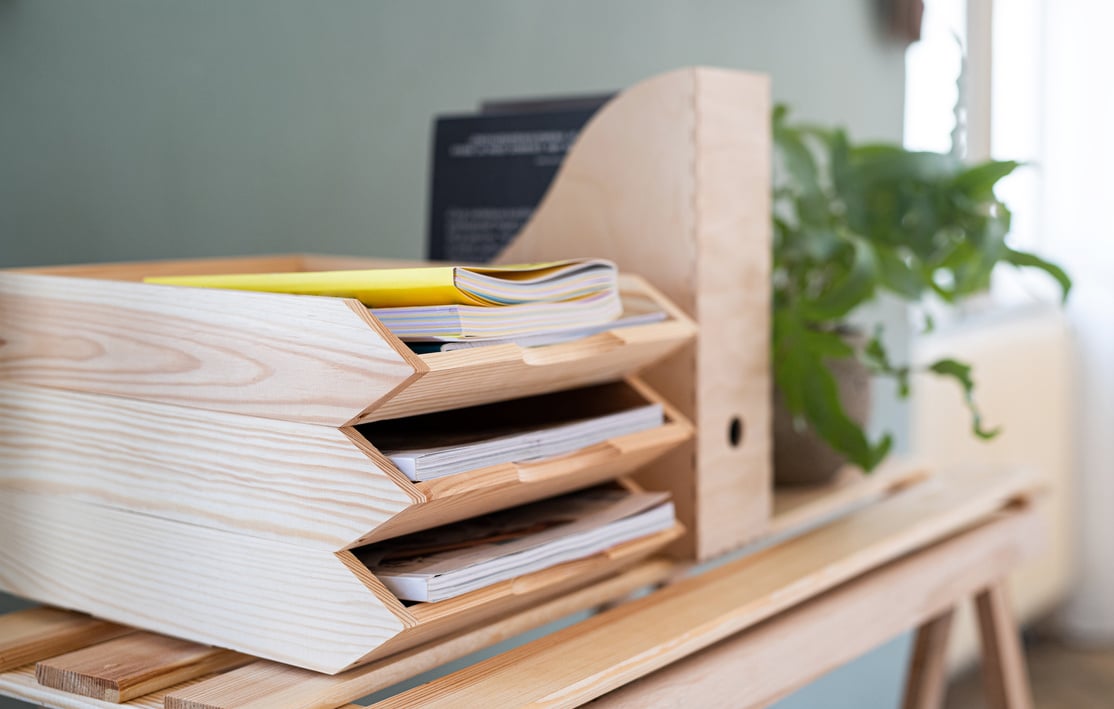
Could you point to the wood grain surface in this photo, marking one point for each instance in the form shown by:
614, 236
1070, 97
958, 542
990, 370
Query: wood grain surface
692, 217
268, 685
129, 667
733, 373
621, 645
302, 483
302, 358
305, 484
1005, 675
776, 657
21, 684
306, 607
262, 597
29, 635
927, 681
798, 507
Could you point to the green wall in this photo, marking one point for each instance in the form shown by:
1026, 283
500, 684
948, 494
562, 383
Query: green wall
142, 129
134, 129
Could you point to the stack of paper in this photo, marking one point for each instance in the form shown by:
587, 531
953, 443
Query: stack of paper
434, 445
438, 323
447, 561
420, 304
637, 310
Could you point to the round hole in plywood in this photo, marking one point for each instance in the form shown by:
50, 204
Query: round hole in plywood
735, 432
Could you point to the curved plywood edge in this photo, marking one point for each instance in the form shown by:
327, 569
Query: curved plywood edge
302, 358
671, 180
287, 603
306, 484
630, 172
626, 191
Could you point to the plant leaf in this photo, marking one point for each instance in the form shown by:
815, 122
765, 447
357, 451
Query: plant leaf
961, 373
878, 359
839, 163
978, 181
855, 288
791, 355
809, 390
1024, 259
851, 220
797, 349
797, 160
898, 276
826, 344
827, 417
884, 163
819, 244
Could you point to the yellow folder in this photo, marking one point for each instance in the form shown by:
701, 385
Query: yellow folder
435, 285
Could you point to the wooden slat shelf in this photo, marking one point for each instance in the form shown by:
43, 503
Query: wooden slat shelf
44, 632
797, 508
634, 640
132, 666
838, 626
952, 518
32, 637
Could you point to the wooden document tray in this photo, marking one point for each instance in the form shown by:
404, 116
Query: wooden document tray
187, 460
310, 359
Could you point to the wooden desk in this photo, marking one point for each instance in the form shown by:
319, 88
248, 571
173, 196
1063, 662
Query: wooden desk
743, 634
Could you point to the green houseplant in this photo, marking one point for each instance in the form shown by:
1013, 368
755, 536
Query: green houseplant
851, 222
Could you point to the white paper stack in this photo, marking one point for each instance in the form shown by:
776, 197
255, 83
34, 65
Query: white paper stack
447, 561
436, 462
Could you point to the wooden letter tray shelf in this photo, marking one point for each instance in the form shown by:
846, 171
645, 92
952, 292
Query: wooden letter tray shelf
192, 461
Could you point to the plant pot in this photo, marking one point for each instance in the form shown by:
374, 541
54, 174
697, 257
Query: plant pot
802, 457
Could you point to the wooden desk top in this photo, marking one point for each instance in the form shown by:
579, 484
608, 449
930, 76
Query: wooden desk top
622, 645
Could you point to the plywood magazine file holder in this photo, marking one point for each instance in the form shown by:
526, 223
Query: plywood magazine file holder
671, 180
189, 461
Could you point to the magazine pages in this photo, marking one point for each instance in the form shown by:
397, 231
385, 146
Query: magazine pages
440, 563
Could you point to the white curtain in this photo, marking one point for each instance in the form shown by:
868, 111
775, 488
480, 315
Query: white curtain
1077, 164
1052, 106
